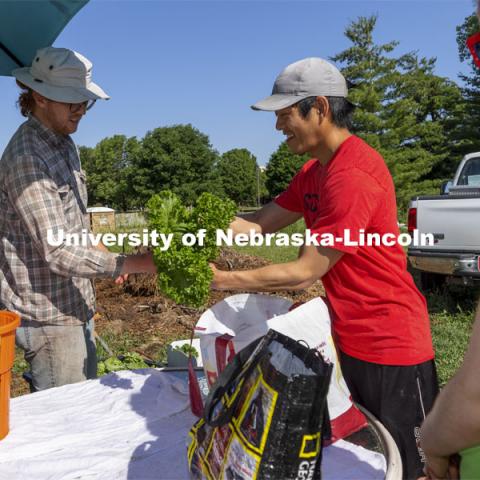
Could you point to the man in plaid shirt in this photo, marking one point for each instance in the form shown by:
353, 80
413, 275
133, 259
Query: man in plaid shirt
43, 189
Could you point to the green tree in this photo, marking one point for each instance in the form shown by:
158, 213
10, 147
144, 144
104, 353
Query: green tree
178, 158
281, 168
367, 66
405, 110
239, 176
87, 158
263, 190
108, 167
417, 143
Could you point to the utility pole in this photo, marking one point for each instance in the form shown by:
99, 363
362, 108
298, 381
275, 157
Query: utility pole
258, 186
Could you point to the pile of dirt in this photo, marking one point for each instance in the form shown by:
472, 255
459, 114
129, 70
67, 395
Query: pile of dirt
140, 309
139, 314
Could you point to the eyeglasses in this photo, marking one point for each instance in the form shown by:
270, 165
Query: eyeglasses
76, 107
473, 44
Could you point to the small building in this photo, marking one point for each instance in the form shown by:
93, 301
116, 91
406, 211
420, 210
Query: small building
101, 219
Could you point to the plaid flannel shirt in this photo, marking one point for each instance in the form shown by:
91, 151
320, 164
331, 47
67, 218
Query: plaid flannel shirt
42, 188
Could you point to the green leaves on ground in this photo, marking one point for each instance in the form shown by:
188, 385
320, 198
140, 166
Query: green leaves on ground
183, 271
129, 361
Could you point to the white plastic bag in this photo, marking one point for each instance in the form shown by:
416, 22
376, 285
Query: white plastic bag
236, 321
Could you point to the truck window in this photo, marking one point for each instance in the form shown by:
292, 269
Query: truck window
471, 173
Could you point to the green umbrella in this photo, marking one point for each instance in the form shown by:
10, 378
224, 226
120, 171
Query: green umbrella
27, 25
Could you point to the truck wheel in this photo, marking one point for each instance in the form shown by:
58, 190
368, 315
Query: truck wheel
432, 281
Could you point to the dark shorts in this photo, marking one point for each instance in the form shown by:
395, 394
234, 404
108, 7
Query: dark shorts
400, 397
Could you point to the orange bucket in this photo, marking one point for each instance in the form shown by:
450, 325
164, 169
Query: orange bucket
9, 321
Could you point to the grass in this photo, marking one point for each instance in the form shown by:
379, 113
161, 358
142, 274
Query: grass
451, 334
452, 312
276, 254
19, 365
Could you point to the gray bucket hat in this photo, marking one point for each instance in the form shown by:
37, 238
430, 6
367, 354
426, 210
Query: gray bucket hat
310, 77
61, 75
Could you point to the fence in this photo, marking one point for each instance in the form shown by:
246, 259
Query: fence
130, 219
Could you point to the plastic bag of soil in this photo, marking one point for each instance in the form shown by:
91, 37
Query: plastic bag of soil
266, 416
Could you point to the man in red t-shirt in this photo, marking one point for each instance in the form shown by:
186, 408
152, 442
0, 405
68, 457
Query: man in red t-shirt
345, 193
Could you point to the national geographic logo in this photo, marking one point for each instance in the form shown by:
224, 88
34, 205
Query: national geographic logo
306, 470
310, 449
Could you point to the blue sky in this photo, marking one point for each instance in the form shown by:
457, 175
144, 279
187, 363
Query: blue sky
205, 62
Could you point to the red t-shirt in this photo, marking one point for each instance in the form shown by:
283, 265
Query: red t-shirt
378, 313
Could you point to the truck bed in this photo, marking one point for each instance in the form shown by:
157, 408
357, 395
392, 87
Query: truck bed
453, 219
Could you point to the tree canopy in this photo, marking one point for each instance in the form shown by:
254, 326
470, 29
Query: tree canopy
239, 176
281, 168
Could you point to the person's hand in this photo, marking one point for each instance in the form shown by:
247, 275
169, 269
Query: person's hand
121, 279
440, 468
217, 277
436, 468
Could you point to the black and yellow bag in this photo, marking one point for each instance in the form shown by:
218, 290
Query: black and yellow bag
266, 415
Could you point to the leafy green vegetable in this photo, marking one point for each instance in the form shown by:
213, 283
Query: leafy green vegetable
183, 272
167, 214
131, 361
113, 364
183, 275
101, 370
212, 213
187, 350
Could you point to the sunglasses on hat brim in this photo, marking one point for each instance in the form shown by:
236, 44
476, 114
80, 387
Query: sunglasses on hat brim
473, 44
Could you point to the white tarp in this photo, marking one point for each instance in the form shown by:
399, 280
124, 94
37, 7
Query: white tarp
127, 425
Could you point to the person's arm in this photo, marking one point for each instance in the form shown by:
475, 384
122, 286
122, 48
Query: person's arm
139, 263
36, 200
102, 248
312, 263
454, 423
270, 218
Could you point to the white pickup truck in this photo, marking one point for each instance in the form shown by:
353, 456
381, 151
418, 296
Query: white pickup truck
454, 220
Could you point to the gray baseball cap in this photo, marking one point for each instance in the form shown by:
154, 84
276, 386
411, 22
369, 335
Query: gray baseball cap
310, 77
